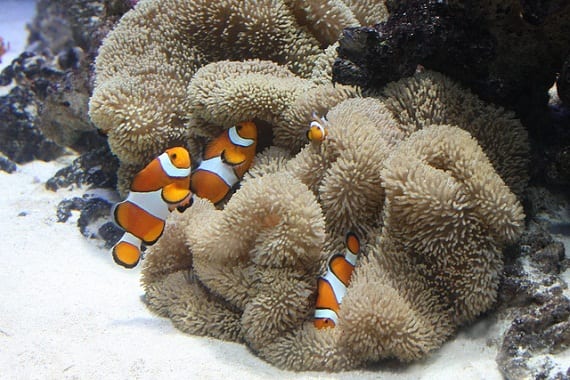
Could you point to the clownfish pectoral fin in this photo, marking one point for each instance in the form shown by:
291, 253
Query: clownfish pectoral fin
352, 243
173, 193
127, 251
233, 157
184, 205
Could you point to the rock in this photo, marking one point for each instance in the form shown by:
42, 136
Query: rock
488, 47
20, 138
430, 33
534, 301
542, 331
7, 165
563, 83
94, 220
110, 233
94, 169
68, 34
65, 207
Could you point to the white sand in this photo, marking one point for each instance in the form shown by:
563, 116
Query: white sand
69, 312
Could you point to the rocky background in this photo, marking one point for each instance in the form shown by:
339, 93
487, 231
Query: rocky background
43, 104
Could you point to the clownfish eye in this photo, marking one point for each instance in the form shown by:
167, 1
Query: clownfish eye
238, 127
173, 156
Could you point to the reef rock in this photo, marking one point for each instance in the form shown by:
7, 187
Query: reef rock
20, 138
45, 91
508, 53
68, 34
7, 165
501, 50
94, 169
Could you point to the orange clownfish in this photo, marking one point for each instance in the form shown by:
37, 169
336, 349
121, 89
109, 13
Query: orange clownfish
164, 184
318, 132
226, 160
332, 286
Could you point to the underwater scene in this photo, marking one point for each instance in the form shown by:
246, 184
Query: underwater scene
326, 189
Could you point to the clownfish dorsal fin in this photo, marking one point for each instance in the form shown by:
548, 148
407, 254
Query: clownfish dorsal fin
233, 157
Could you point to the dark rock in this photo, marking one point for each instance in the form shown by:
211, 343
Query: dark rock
428, 33
46, 106
563, 83
69, 33
549, 259
543, 330
94, 220
20, 138
94, 169
110, 233
65, 207
491, 49
532, 296
487, 46
93, 209
7, 165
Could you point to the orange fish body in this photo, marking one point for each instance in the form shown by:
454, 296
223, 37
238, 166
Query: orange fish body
164, 184
226, 160
331, 287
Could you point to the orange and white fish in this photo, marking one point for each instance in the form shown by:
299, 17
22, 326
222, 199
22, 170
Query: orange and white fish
332, 286
163, 185
226, 159
318, 131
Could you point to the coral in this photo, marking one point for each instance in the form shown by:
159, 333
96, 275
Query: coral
345, 175
226, 92
431, 98
414, 171
143, 88
442, 168
433, 215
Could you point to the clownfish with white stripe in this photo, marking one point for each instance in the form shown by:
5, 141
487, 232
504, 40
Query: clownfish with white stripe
226, 159
159, 188
318, 131
332, 286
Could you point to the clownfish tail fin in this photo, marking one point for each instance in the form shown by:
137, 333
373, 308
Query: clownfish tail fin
127, 252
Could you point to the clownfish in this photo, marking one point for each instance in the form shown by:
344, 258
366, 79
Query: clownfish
226, 159
164, 184
332, 286
318, 132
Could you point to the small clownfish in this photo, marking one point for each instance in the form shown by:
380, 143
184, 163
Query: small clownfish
226, 160
332, 286
318, 132
164, 184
